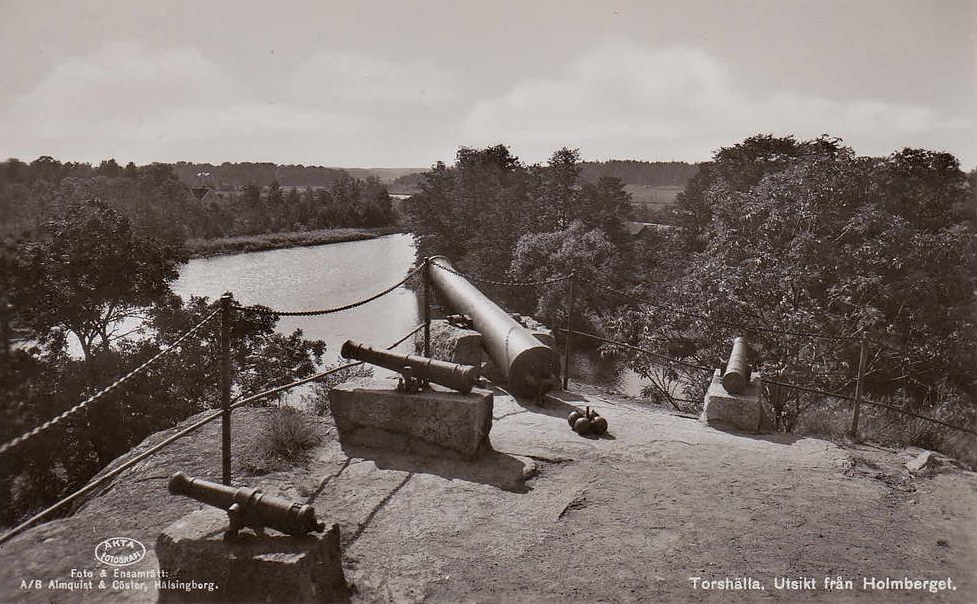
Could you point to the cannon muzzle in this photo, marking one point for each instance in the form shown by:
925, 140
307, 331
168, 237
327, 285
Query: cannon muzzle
530, 367
451, 375
249, 507
737, 374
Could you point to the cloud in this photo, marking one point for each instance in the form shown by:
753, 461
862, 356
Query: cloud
628, 101
132, 102
345, 77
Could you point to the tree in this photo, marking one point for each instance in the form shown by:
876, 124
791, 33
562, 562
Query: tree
580, 249
796, 238
559, 195
109, 168
253, 217
498, 219
88, 273
291, 210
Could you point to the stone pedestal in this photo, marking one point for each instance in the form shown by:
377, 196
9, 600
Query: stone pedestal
741, 411
201, 566
450, 343
436, 423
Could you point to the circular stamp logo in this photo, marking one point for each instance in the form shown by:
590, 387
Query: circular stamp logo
120, 551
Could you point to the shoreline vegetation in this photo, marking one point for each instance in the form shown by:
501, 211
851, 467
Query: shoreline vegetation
240, 244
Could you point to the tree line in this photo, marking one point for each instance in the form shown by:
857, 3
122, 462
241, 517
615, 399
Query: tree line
158, 202
628, 171
230, 176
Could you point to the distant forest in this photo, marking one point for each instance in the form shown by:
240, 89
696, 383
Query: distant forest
628, 171
232, 176
160, 202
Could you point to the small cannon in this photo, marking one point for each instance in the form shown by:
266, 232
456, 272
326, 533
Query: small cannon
249, 507
415, 370
531, 368
737, 375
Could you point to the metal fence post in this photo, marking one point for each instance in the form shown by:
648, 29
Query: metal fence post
566, 351
226, 388
862, 355
427, 307
5, 313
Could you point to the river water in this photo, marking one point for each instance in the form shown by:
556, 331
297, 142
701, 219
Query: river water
336, 274
324, 276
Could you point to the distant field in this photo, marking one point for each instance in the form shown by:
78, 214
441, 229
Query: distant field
646, 195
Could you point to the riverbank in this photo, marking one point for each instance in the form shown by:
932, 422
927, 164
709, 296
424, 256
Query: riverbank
204, 248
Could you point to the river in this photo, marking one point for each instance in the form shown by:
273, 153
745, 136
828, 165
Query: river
324, 276
336, 274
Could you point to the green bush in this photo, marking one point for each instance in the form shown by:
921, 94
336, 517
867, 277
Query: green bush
287, 436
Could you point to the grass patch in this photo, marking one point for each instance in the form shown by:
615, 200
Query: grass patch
283, 440
201, 248
891, 428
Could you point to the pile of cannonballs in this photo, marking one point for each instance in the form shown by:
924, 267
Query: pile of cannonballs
588, 422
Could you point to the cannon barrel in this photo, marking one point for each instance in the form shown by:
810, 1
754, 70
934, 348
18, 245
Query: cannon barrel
452, 375
530, 367
737, 374
249, 507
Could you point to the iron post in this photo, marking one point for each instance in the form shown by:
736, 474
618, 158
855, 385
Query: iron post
427, 307
226, 388
856, 408
566, 350
5, 313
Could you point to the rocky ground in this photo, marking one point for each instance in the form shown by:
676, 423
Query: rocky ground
550, 516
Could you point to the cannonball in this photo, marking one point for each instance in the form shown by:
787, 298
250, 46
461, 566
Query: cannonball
573, 417
582, 426
598, 425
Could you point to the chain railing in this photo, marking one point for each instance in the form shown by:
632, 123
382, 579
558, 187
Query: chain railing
227, 308
177, 436
104, 391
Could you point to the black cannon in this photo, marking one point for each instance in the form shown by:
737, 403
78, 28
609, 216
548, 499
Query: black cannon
737, 375
249, 507
530, 367
415, 370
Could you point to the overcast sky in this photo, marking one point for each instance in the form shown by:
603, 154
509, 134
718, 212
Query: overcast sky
405, 83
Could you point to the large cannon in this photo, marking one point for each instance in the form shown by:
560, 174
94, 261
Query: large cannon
737, 375
249, 507
415, 368
530, 367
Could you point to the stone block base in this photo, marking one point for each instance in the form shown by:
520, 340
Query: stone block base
458, 345
201, 566
741, 411
436, 423
453, 344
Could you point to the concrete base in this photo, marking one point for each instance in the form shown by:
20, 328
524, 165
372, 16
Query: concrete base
436, 423
201, 566
450, 343
741, 411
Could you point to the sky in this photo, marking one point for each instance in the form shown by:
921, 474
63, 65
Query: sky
406, 83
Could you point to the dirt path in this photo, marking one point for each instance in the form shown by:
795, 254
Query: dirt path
634, 516
550, 516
